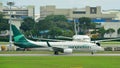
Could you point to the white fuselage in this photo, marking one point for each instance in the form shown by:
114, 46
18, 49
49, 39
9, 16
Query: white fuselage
75, 46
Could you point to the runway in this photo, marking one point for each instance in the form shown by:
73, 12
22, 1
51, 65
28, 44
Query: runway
59, 55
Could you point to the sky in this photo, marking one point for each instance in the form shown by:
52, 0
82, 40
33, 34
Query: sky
105, 4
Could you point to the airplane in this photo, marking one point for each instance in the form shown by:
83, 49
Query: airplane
79, 38
64, 46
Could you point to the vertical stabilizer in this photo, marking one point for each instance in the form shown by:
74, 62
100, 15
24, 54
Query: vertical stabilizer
16, 32
18, 36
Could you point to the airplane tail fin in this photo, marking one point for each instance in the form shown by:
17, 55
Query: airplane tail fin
18, 36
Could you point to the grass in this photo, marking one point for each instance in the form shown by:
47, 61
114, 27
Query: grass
60, 62
104, 44
110, 42
4, 43
26, 52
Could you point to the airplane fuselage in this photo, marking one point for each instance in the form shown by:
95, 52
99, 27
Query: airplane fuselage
75, 46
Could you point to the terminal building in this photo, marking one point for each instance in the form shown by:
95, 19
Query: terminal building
114, 24
113, 11
18, 13
95, 13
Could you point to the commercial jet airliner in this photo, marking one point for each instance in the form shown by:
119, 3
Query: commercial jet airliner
64, 46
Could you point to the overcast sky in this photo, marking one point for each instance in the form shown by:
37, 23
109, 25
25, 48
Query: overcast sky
105, 4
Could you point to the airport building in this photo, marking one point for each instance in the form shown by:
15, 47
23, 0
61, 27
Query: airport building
113, 11
95, 13
18, 13
114, 24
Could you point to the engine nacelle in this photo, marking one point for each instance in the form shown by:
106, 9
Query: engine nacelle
68, 51
98, 44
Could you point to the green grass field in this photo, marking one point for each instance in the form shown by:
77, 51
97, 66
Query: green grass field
60, 62
111, 43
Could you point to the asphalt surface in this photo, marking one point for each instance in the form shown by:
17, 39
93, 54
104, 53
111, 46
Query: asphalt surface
59, 55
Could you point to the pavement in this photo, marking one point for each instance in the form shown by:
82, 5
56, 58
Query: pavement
59, 55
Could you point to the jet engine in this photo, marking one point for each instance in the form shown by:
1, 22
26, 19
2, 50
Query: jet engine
68, 51
98, 43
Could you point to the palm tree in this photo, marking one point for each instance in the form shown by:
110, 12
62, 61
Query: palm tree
110, 31
101, 32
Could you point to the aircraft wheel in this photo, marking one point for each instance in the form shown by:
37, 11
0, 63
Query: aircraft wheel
56, 53
92, 52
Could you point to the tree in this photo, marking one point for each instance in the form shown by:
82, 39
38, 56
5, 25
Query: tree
4, 26
110, 31
43, 25
55, 31
3, 23
27, 24
85, 23
101, 32
58, 21
67, 33
56, 24
1, 16
118, 32
56, 18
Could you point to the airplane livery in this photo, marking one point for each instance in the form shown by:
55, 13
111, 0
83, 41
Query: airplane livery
63, 46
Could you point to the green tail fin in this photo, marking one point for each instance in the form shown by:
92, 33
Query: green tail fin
18, 36
16, 32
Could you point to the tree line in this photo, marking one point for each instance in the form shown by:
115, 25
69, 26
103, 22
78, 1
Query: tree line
51, 26
56, 25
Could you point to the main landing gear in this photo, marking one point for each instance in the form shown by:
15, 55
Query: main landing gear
56, 53
92, 52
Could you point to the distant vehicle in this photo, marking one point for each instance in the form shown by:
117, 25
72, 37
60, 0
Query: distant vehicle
64, 46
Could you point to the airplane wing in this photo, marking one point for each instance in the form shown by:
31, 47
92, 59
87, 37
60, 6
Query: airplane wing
98, 41
106, 40
60, 49
64, 37
53, 40
91, 41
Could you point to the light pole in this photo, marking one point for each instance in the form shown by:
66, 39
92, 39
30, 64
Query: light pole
10, 4
75, 27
